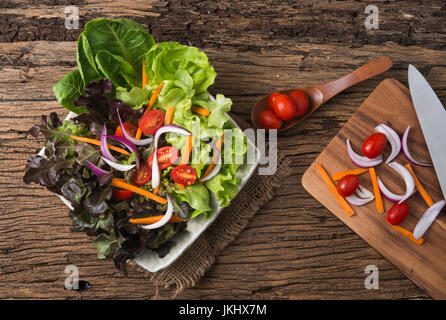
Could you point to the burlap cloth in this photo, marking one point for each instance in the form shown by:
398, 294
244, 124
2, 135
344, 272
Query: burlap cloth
187, 270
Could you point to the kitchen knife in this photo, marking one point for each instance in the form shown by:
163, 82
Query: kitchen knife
432, 117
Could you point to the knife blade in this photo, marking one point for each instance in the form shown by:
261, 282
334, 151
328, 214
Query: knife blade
432, 117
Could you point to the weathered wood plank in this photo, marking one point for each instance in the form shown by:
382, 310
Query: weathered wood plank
293, 248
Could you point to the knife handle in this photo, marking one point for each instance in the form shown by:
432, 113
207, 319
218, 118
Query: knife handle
364, 72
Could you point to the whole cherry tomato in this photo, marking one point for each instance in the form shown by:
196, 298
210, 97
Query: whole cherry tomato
374, 145
398, 213
347, 185
269, 120
284, 107
271, 99
302, 102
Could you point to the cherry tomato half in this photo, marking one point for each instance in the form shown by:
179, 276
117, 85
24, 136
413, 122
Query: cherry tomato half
129, 128
269, 120
374, 145
284, 107
347, 185
151, 121
302, 102
184, 174
398, 213
142, 175
121, 194
271, 99
166, 157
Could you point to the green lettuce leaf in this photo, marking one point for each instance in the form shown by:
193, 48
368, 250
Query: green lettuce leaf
197, 196
68, 89
164, 59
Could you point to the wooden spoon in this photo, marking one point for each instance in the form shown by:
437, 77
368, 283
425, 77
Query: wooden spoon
320, 94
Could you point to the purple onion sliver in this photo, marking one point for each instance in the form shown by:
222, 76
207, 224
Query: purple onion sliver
407, 153
361, 161
393, 138
125, 142
138, 142
427, 219
96, 170
104, 147
164, 129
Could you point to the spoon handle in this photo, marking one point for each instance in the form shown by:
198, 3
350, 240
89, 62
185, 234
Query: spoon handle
369, 70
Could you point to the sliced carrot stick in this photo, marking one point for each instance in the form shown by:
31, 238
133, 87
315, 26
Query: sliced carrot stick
156, 189
151, 103
151, 220
169, 115
145, 81
119, 183
378, 199
181, 186
199, 110
98, 143
427, 198
340, 175
408, 234
185, 153
326, 178
215, 156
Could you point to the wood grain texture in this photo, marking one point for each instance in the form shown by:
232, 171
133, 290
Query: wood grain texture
389, 103
294, 248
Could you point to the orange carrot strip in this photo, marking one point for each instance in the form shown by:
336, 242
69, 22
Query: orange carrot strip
326, 178
187, 149
151, 103
181, 186
408, 234
98, 143
202, 111
151, 220
169, 115
156, 189
378, 199
145, 81
340, 175
119, 183
427, 198
214, 157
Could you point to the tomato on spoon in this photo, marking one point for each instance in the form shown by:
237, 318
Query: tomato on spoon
302, 102
269, 120
284, 107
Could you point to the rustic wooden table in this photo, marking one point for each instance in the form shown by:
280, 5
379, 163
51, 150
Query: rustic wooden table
293, 248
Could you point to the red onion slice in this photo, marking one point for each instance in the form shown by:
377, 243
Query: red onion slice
155, 168
361, 197
118, 166
393, 138
361, 161
138, 142
129, 145
96, 170
427, 219
164, 219
407, 153
104, 148
408, 180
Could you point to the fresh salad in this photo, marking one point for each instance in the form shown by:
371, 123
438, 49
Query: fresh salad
142, 153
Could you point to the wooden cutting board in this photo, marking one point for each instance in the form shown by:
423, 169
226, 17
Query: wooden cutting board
425, 264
